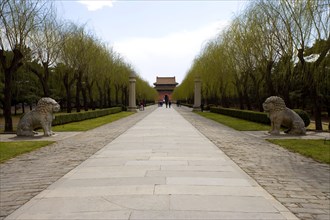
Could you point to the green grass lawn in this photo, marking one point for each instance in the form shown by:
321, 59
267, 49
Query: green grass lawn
12, 149
319, 150
236, 123
91, 123
316, 149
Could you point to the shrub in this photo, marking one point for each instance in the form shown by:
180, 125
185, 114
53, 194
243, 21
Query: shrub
123, 107
80, 116
303, 115
260, 117
187, 105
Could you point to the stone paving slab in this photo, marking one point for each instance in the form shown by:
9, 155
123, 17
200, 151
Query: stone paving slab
299, 183
25, 176
100, 189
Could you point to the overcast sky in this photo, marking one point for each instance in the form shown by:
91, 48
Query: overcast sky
158, 38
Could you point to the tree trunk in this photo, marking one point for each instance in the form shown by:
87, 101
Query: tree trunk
268, 78
100, 95
91, 100
43, 77
105, 100
45, 87
317, 109
117, 94
9, 71
68, 102
125, 96
68, 98
78, 89
287, 89
84, 94
237, 84
7, 104
46, 77
247, 100
109, 95
68, 84
15, 107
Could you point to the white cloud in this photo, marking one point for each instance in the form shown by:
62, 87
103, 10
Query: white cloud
93, 5
171, 55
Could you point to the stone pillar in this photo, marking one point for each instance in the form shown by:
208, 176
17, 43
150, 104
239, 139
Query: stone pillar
132, 99
198, 94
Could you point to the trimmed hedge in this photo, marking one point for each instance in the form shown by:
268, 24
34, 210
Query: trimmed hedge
260, 117
187, 105
304, 116
64, 118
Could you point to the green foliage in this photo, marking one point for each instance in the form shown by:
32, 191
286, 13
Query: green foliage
144, 91
91, 123
237, 124
12, 149
304, 116
188, 105
259, 117
319, 150
252, 59
63, 118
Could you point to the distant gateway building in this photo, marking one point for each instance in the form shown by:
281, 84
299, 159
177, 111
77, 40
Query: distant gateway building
165, 86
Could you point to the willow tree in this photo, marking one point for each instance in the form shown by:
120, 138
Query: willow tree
84, 50
68, 62
46, 45
214, 72
263, 49
122, 71
317, 16
185, 91
283, 46
144, 92
207, 65
94, 63
97, 72
117, 68
17, 20
307, 25
247, 81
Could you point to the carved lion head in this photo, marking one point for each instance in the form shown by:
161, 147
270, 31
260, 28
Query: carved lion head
274, 103
47, 104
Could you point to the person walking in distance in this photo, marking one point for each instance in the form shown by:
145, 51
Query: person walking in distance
166, 100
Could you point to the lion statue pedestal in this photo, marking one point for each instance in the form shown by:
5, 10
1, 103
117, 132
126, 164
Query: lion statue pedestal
41, 116
279, 115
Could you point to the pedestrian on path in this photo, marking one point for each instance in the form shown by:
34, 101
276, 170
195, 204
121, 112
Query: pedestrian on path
166, 100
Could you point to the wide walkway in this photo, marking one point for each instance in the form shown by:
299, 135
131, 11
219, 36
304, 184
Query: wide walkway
160, 168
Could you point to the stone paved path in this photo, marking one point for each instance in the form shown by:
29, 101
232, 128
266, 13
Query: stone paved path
299, 183
160, 168
25, 176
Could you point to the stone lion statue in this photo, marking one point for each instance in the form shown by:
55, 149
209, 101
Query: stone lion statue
279, 115
41, 116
